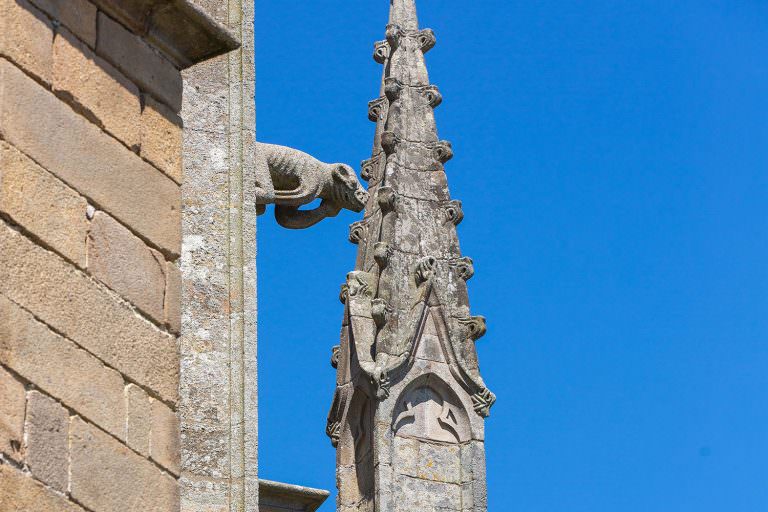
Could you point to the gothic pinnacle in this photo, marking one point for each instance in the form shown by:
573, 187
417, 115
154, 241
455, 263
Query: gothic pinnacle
408, 380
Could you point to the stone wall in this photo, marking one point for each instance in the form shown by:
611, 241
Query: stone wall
90, 241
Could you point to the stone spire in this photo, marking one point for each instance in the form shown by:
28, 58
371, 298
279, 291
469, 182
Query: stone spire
407, 415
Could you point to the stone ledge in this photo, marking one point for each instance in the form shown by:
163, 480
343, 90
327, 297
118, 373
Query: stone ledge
180, 29
277, 496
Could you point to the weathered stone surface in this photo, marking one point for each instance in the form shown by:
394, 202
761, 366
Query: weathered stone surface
21, 493
424, 495
79, 16
61, 368
218, 343
206, 104
430, 398
161, 135
47, 450
204, 495
165, 437
42, 204
123, 262
138, 423
290, 178
180, 29
26, 37
85, 312
107, 476
12, 407
97, 87
280, 497
173, 297
113, 178
142, 63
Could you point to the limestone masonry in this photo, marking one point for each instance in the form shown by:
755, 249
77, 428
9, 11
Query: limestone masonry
90, 243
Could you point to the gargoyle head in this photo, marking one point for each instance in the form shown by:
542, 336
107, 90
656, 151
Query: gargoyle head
346, 191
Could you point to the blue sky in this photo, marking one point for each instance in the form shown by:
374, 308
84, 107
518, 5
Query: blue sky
612, 158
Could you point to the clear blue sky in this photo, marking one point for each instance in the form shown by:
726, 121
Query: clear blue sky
612, 157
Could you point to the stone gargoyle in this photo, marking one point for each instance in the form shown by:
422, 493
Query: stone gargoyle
289, 178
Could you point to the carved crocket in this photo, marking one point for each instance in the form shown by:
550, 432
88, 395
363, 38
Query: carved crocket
290, 178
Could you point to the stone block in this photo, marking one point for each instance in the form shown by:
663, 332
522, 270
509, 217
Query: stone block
12, 407
206, 96
165, 437
112, 177
87, 313
20, 492
123, 262
142, 63
200, 495
42, 204
139, 420
173, 297
161, 138
46, 439
79, 16
106, 476
426, 496
97, 87
61, 369
26, 37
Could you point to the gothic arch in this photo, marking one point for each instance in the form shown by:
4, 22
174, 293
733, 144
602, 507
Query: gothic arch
429, 409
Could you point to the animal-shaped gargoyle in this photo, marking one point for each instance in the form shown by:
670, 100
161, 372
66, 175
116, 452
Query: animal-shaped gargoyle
290, 178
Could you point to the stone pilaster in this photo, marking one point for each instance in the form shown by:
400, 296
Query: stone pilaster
218, 391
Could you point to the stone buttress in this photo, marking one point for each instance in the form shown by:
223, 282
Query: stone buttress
408, 412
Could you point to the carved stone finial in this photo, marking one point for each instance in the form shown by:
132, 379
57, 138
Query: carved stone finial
381, 253
370, 170
380, 312
389, 142
335, 352
377, 109
343, 293
392, 88
464, 267
381, 51
453, 212
357, 231
442, 151
425, 269
432, 93
476, 326
393, 34
333, 430
359, 285
482, 401
426, 39
387, 199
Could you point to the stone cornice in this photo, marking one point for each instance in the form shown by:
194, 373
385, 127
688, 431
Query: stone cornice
290, 497
178, 28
